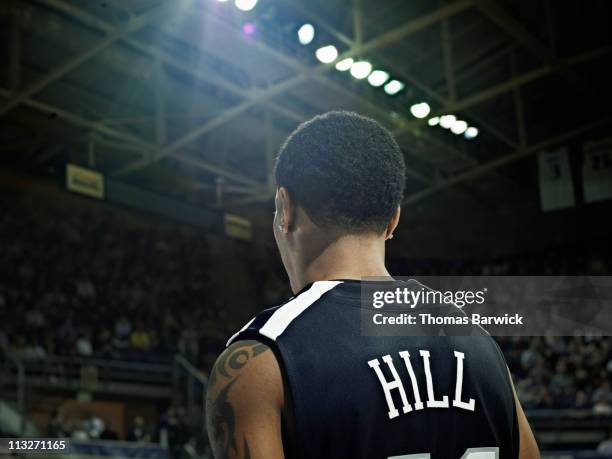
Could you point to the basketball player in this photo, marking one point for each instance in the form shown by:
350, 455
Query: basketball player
300, 380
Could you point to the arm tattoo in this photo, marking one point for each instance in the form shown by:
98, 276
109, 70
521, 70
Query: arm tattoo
221, 417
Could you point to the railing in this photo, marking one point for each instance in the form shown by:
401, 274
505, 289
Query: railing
13, 361
94, 374
569, 429
194, 383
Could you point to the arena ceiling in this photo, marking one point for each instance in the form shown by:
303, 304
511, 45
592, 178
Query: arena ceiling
175, 96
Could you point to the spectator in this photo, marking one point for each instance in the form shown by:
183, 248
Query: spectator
83, 346
138, 431
140, 339
605, 447
108, 433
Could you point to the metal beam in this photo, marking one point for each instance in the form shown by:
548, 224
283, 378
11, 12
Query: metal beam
131, 143
518, 104
357, 21
432, 92
447, 52
269, 149
14, 67
505, 86
304, 73
93, 21
410, 28
319, 21
132, 26
499, 16
489, 167
160, 104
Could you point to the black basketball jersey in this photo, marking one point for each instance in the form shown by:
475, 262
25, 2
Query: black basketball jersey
355, 396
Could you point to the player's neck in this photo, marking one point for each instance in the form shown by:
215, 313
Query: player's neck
349, 257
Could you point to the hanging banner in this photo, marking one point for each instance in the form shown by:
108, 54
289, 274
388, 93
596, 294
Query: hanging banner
597, 170
84, 181
555, 179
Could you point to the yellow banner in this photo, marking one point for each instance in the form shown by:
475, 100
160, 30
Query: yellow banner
84, 181
237, 227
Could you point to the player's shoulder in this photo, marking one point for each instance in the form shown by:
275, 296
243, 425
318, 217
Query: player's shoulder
245, 382
245, 358
271, 323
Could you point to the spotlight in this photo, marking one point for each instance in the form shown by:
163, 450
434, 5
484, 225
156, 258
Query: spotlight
377, 78
327, 54
306, 34
393, 87
459, 127
471, 132
361, 69
420, 110
245, 5
447, 121
433, 121
344, 64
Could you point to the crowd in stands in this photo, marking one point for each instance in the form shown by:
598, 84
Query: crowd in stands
171, 428
89, 282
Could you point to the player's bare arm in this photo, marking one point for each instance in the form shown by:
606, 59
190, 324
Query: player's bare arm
244, 401
528, 445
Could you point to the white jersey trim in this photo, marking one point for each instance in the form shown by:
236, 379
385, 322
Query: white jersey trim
283, 316
278, 322
229, 341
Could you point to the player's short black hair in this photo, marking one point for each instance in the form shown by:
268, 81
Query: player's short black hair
345, 170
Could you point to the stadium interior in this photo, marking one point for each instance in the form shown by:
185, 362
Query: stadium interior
137, 142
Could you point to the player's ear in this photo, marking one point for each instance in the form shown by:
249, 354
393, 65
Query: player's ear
285, 207
392, 224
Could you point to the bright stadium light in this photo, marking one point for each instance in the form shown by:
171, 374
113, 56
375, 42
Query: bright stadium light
393, 87
420, 110
459, 127
447, 121
377, 78
345, 64
327, 54
471, 132
361, 69
433, 121
306, 34
245, 5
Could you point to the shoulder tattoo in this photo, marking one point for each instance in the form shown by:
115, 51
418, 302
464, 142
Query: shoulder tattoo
221, 419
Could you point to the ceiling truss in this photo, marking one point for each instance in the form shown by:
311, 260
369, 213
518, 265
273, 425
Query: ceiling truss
114, 133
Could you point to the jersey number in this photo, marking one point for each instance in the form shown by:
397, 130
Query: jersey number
471, 453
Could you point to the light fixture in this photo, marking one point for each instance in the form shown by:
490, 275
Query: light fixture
327, 54
361, 69
344, 64
377, 78
245, 5
459, 127
393, 87
433, 121
446, 121
471, 132
306, 34
420, 110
